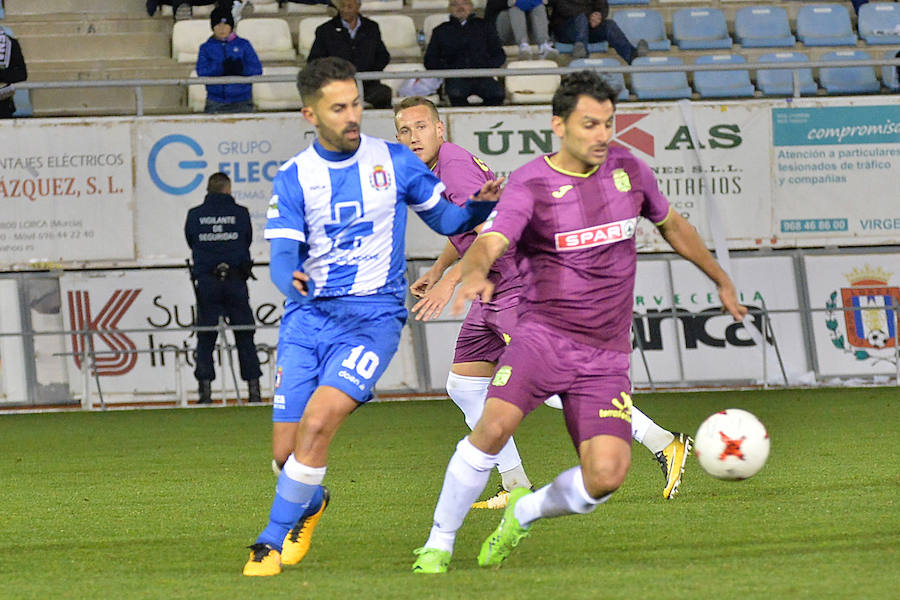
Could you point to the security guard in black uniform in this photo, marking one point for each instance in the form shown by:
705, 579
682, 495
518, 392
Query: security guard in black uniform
219, 234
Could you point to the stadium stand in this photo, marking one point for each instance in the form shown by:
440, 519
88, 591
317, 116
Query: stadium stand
700, 29
723, 84
187, 36
306, 9
399, 35
277, 96
848, 80
592, 47
621, 2
306, 34
763, 27
659, 86
825, 25
369, 6
531, 89
396, 84
271, 38
432, 21
778, 82
196, 96
616, 80
428, 5
643, 24
879, 23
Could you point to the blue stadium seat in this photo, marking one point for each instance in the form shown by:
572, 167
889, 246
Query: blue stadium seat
879, 23
824, 25
723, 84
643, 24
621, 2
778, 82
616, 80
763, 27
889, 73
700, 29
848, 80
565, 48
657, 86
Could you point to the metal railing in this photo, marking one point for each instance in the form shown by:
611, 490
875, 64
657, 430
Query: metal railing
140, 84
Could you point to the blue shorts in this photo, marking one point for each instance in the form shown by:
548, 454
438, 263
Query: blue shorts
345, 343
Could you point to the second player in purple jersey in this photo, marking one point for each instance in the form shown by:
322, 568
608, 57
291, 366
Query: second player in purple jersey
571, 217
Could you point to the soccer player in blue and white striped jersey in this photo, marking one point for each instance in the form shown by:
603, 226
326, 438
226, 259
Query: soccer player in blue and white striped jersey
337, 224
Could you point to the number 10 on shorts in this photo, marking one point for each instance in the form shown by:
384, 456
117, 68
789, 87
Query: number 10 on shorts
362, 361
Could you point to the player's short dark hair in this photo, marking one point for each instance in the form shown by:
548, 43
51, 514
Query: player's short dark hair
218, 183
411, 101
580, 83
320, 72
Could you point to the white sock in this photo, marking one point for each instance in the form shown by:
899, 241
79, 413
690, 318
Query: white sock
566, 495
467, 474
514, 477
648, 433
469, 394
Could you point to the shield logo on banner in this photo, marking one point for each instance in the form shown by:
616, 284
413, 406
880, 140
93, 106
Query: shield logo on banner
870, 308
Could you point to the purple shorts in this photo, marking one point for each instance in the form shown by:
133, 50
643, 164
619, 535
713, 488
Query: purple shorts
592, 382
485, 333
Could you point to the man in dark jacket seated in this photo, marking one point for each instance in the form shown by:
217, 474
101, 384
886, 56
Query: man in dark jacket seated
467, 42
357, 39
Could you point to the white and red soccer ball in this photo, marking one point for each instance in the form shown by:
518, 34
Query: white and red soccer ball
732, 444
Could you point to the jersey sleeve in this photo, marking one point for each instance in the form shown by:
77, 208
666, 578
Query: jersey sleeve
513, 212
416, 184
285, 217
655, 206
463, 178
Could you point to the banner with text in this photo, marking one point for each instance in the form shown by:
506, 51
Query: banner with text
67, 191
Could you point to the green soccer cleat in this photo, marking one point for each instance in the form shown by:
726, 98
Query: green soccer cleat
431, 560
507, 536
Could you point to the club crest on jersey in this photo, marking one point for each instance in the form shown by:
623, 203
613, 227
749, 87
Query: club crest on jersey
379, 178
599, 235
621, 180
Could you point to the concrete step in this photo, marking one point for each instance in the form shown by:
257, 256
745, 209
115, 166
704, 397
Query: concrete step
53, 7
107, 101
40, 48
86, 25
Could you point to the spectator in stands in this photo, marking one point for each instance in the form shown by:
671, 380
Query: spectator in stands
467, 42
226, 54
357, 39
580, 22
12, 71
183, 9
513, 20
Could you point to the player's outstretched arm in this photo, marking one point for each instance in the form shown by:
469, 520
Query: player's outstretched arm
435, 299
420, 286
685, 240
475, 265
448, 219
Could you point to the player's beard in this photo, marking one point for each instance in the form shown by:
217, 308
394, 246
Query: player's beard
340, 140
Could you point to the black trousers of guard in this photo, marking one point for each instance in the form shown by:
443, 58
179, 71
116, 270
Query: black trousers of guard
230, 299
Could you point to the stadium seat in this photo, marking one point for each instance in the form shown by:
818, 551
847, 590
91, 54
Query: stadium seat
531, 89
643, 24
399, 35
307, 9
889, 73
196, 95
432, 21
271, 38
396, 84
616, 80
593, 47
277, 95
780, 82
428, 5
622, 2
824, 25
722, 84
369, 6
879, 23
700, 29
306, 34
763, 27
197, 12
848, 80
266, 7
658, 86
187, 37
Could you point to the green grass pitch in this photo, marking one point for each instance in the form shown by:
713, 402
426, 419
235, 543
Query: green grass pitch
161, 504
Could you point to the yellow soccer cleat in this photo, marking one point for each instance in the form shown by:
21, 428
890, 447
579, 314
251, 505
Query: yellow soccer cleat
672, 459
265, 561
297, 541
496, 502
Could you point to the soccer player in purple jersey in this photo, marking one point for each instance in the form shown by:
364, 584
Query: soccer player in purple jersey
488, 326
571, 217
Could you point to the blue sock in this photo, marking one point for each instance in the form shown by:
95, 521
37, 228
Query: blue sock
315, 503
292, 498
